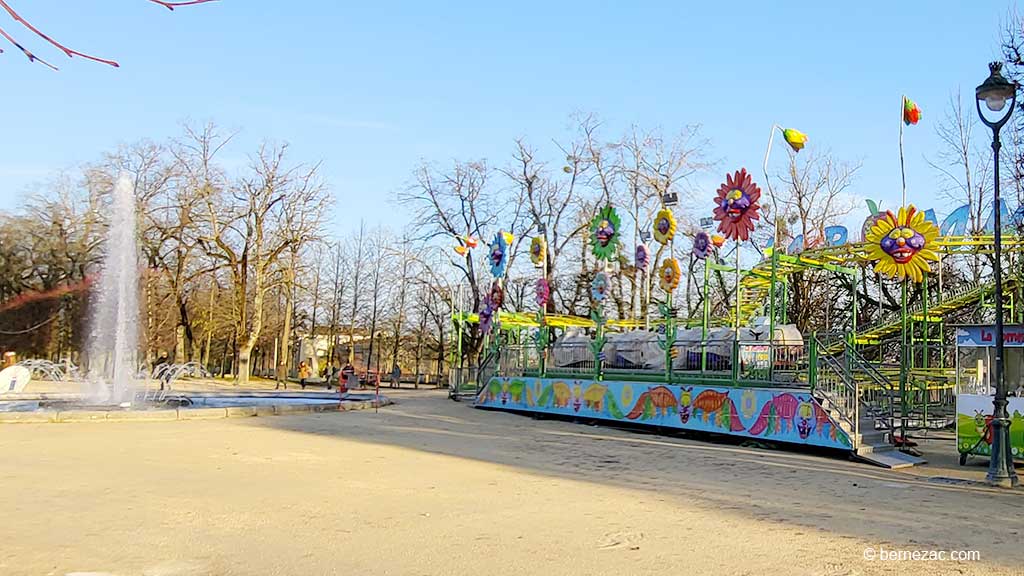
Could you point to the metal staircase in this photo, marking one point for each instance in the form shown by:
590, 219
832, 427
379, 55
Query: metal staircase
861, 399
465, 383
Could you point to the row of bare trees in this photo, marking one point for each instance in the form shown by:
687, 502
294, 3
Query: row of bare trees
237, 265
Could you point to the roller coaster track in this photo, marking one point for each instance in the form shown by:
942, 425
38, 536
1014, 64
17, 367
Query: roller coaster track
939, 305
755, 284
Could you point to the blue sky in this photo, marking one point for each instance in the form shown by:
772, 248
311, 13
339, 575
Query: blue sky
371, 88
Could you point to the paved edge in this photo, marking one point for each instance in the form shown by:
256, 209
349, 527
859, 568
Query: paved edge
183, 413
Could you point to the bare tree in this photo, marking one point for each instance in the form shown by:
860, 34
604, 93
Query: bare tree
358, 260
963, 166
248, 231
452, 205
812, 196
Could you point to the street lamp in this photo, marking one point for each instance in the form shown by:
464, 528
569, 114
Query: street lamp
995, 91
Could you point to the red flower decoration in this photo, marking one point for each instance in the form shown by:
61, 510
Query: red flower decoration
737, 206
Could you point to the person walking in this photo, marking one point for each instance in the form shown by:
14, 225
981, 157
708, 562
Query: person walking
396, 376
348, 378
304, 373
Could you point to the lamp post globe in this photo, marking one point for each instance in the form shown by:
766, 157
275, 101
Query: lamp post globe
995, 91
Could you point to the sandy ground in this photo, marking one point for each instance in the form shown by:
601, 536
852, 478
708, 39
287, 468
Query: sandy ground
429, 486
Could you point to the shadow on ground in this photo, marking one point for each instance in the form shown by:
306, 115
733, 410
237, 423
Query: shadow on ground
821, 491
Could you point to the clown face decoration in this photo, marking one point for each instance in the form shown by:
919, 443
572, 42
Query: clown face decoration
664, 226
604, 233
669, 275
899, 244
736, 206
543, 292
497, 295
701, 245
643, 256
497, 254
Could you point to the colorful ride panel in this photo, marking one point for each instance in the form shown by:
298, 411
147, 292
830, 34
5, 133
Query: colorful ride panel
973, 419
776, 414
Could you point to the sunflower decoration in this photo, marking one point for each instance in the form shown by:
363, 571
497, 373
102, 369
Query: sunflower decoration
643, 256
543, 292
737, 206
898, 244
604, 233
701, 245
664, 226
538, 250
497, 255
599, 287
669, 275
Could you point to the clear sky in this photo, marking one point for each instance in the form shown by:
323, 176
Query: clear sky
373, 87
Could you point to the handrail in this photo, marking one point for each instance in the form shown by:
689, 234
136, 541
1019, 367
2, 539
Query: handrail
841, 391
879, 380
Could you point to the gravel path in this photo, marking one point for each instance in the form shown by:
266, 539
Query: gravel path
430, 486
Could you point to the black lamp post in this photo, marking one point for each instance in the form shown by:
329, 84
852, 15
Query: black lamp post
995, 91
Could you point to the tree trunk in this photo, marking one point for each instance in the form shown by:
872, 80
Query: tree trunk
242, 370
284, 361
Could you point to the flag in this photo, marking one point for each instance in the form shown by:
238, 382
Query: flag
911, 113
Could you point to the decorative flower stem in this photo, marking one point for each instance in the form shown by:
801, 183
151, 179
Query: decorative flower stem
668, 342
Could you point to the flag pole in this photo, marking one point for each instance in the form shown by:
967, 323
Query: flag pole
903, 172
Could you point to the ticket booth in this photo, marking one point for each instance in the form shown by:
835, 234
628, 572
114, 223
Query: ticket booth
975, 388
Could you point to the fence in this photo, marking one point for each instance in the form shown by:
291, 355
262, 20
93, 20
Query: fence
760, 363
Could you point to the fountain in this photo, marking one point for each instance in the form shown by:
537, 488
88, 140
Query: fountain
114, 340
116, 388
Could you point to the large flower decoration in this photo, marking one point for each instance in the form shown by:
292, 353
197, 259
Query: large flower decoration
899, 244
497, 255
543, 292
736, 205
643, 256
538, 250
701, 245
599, 287
664, 226
669, 275
486, 317
604, 233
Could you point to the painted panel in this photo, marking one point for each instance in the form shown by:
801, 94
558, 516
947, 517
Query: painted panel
974, 412
781, 415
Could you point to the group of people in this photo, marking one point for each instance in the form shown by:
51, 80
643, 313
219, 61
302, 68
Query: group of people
344, 376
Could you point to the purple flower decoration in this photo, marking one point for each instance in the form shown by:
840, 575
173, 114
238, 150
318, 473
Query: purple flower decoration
643, 256
701, 245
487, 315
543, 292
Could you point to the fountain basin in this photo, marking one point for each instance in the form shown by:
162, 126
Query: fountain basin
183, 407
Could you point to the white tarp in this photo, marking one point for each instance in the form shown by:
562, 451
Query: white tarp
634, 349
14, 379
572, 347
